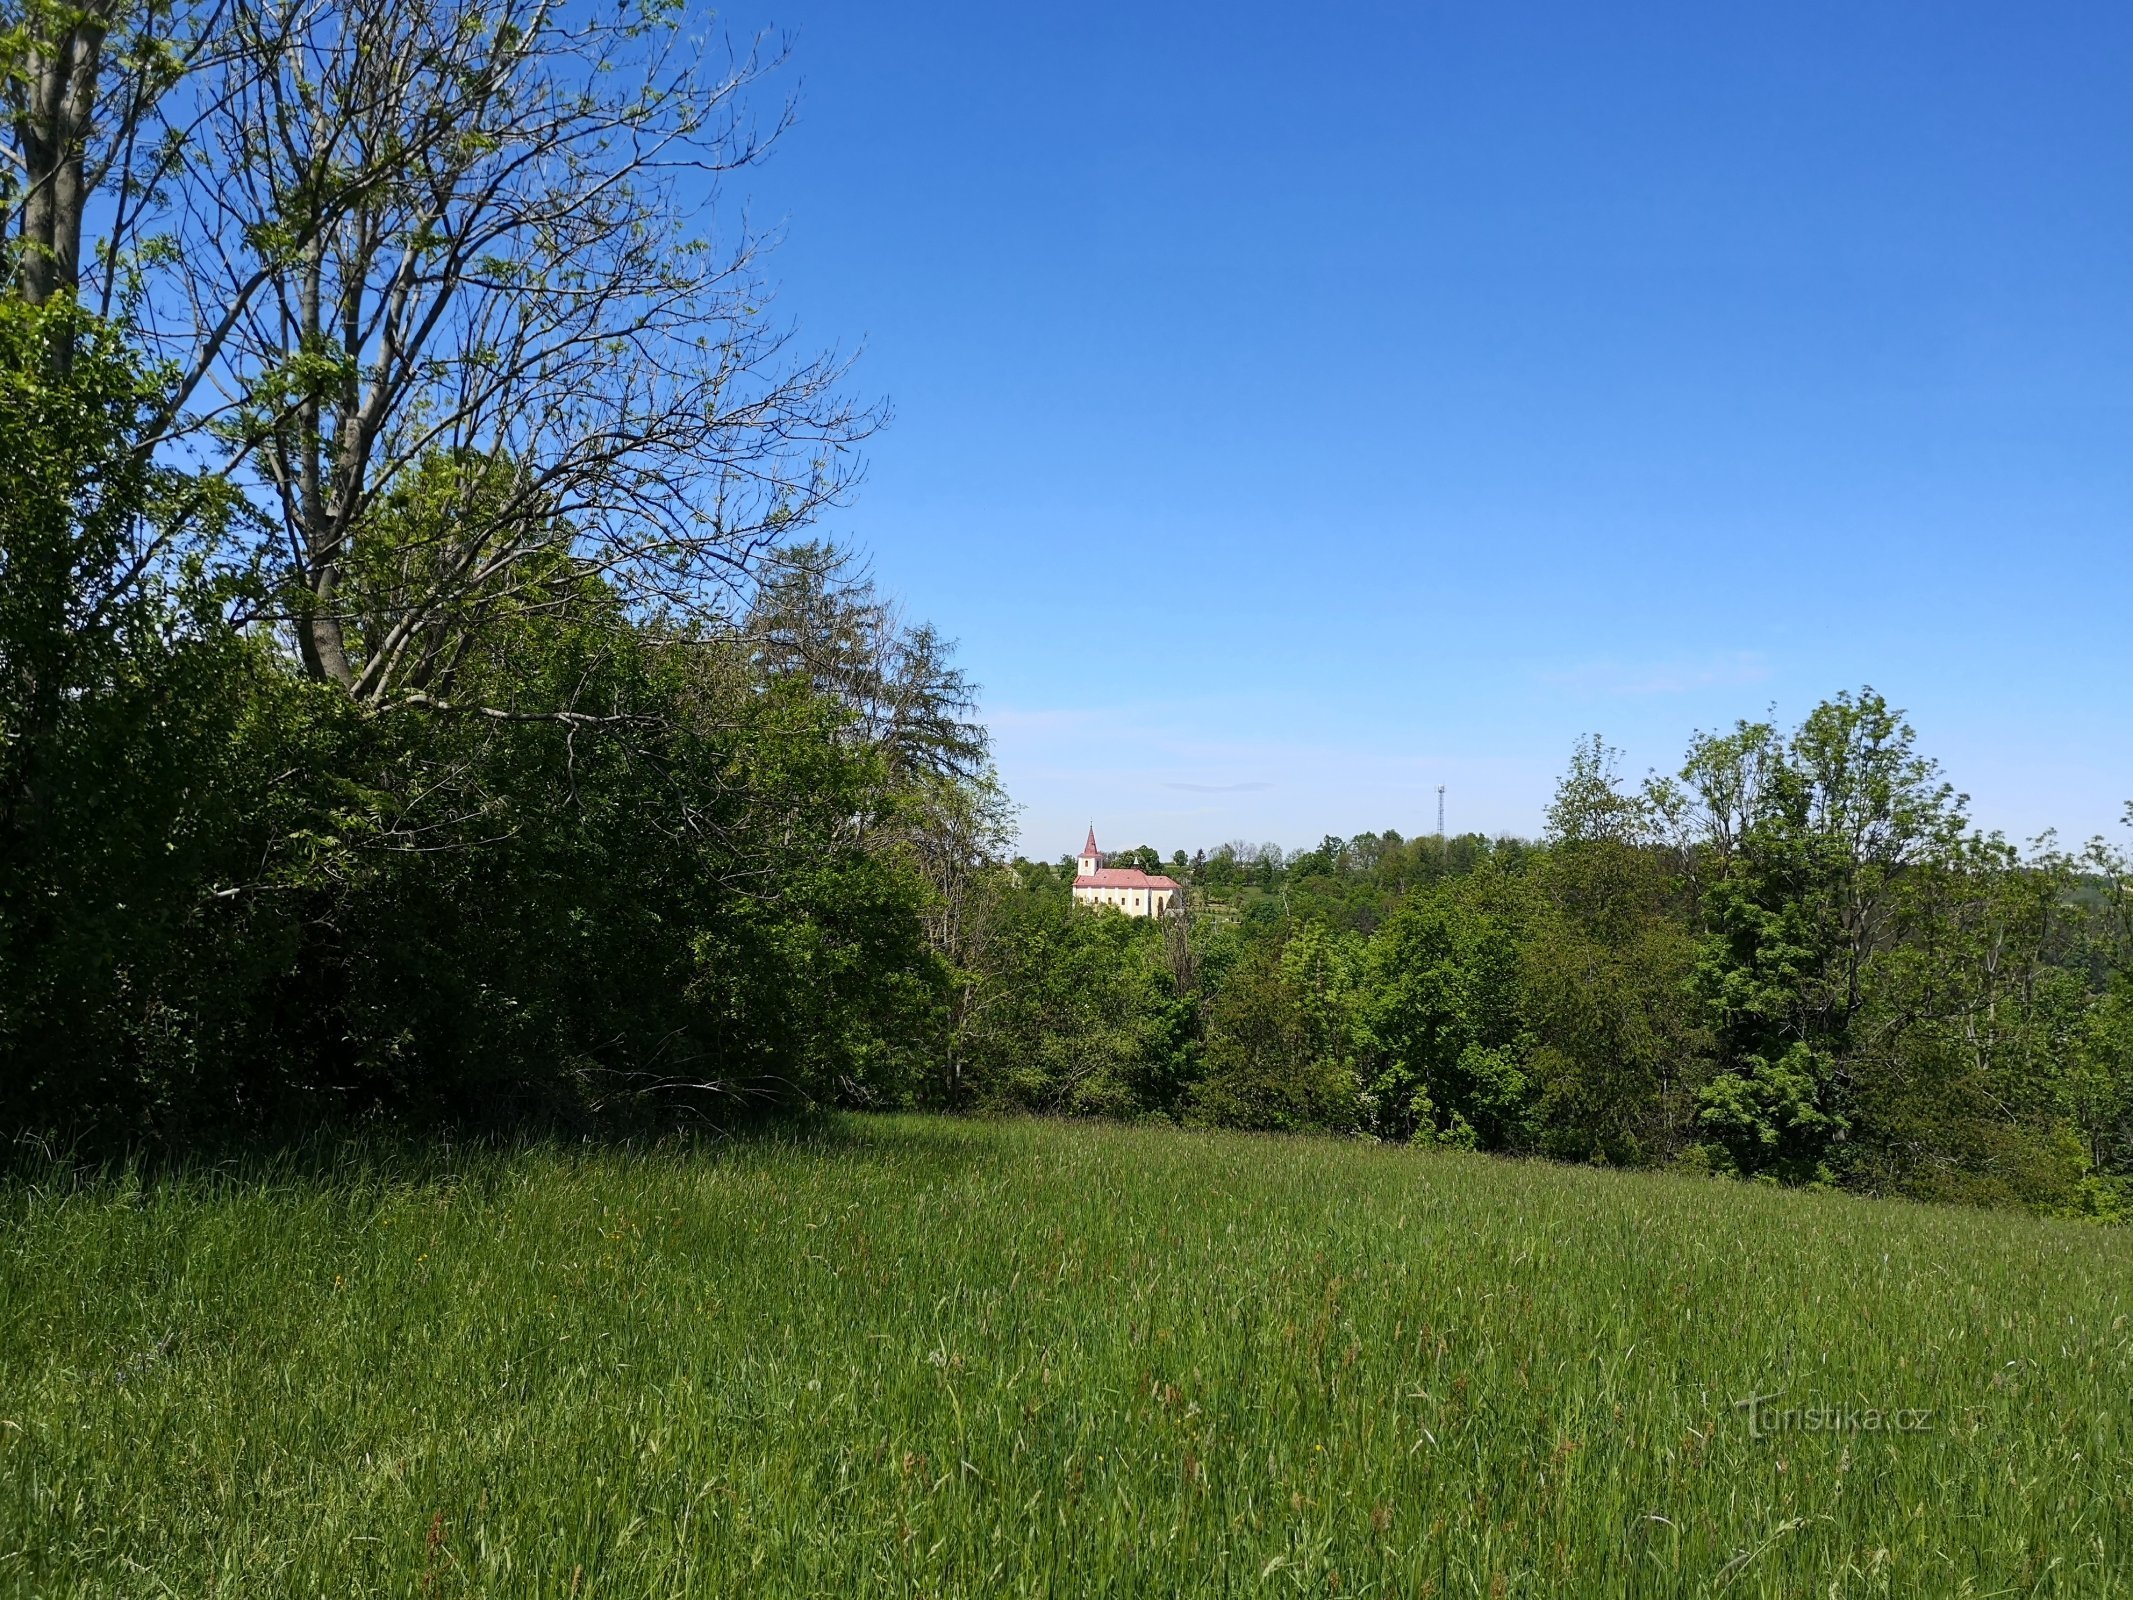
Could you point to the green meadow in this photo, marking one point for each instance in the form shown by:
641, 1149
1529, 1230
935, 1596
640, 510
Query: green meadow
911, 1356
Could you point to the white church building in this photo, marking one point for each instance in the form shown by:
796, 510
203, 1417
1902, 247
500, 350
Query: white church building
1138, 894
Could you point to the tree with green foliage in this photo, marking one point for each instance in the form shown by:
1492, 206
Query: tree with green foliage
1069, 1008
1448, 1046
148, 823
1815, 852
430, 257
1607, 951
1277, 1052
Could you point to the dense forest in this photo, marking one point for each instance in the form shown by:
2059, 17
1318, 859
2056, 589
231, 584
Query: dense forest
427, 699
1793, 961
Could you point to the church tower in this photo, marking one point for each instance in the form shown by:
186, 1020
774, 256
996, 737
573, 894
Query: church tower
1090, 860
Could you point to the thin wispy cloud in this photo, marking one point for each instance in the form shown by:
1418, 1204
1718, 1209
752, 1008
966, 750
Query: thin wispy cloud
1255, 786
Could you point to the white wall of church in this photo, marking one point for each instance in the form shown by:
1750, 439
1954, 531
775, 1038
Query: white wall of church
1134, 902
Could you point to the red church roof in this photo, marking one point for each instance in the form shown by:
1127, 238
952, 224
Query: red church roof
1089, 849
1123, 878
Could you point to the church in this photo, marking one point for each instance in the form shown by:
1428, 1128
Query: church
1138, 894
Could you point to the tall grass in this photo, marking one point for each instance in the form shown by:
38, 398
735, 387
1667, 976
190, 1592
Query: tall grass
903, 1356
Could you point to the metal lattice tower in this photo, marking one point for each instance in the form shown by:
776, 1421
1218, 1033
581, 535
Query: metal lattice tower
1444, 845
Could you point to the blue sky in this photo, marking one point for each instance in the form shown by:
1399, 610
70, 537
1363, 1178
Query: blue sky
1298, 408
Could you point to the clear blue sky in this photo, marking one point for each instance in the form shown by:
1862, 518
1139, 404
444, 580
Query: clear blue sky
1298, 408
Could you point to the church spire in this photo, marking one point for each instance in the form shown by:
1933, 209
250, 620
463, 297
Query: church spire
1089, 849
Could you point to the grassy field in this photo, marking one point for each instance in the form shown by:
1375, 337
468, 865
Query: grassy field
905, 1356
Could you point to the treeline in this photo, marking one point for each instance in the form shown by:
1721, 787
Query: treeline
610, 866
419, 700
1793, 961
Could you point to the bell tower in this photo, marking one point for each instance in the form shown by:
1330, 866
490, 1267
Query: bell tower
1090, 859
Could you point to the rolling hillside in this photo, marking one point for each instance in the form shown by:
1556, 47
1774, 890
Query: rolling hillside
913, 1356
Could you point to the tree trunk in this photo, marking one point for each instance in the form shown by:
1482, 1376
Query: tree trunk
53, 111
